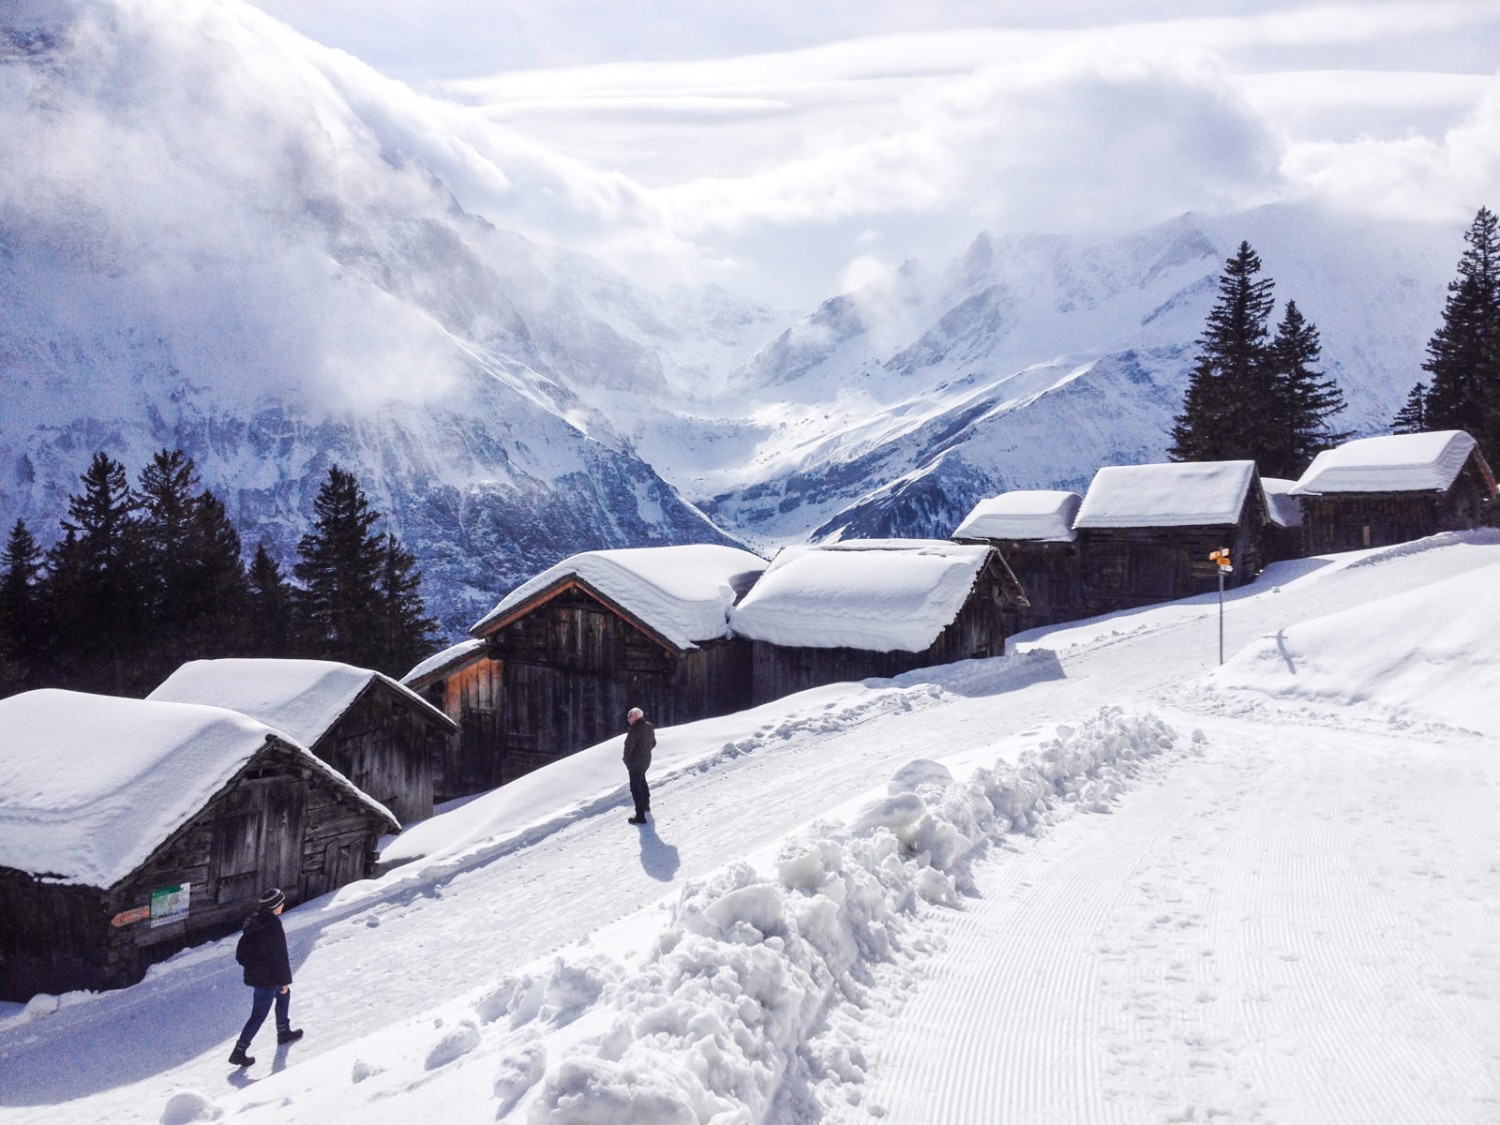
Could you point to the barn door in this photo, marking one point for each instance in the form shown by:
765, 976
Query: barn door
258, 838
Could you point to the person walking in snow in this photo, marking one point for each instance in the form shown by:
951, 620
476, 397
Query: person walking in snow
640, 739
268, 970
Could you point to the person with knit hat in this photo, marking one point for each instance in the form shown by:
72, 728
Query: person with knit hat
268, 970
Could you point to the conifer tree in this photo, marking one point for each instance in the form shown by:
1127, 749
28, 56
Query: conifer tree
96, 598
194, 575
21, 625
1412, 417
1227, 408
409, 634
1302, 401
271, 616
1463, 356
358, 601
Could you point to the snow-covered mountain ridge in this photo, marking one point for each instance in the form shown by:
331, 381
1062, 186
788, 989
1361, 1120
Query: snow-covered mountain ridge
218, 236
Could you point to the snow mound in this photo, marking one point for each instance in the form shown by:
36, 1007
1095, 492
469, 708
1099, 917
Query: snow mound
748, 993
1403, 660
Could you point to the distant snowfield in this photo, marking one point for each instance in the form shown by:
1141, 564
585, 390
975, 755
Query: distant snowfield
1099, 879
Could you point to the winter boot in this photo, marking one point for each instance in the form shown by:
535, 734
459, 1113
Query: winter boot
239, 1058
288, 1035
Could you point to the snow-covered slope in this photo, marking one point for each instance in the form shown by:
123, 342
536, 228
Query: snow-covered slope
1286, 916
218, 237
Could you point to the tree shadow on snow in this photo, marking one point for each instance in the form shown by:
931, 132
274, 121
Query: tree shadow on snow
659, 859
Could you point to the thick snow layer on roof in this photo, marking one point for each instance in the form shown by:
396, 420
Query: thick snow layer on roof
1284, 508
90, 785
1181, 494
1043, 515
1395, 463
881, 595
683, 593
302, 698
453, 654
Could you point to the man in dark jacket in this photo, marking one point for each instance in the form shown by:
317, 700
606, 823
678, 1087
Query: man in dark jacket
640, 740
268, 970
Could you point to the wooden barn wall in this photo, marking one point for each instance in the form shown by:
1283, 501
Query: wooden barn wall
388, 750
1352, 520
277, 823
1052, 576
977, 631
1128, 567
562, 677
471, 696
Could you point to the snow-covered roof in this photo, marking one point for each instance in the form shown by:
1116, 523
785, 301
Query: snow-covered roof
437, 662
1427, 462
1042, 515
881, 595
683, 593
90, 785
1285, 509
1180, 494
303, 698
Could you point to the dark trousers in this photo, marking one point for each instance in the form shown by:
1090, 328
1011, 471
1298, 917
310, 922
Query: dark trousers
640, 793
264, 998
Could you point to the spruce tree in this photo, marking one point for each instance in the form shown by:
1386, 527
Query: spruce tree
1227, 409
1412, 417
22, 631
195, 578
1302, 401
271, 620
97, 600
409, 634
358, 601
1463, 356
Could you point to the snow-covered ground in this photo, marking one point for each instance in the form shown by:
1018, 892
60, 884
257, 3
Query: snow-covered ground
1100, 879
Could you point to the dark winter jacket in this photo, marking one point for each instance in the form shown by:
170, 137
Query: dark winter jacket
262, 950
640, 740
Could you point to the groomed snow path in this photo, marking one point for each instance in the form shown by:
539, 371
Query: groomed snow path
1230, 946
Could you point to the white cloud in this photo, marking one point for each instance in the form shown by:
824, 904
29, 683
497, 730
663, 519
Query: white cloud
755, 145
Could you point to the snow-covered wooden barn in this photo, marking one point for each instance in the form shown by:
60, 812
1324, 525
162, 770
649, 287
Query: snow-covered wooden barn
464, 683
1033, 531
131, 829
1373, 492
1283, 537
1146, 531
878, 607
382, 736
566, 654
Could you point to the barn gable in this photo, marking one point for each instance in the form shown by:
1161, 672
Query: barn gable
130, 829
557, 663
680, 596
378, 733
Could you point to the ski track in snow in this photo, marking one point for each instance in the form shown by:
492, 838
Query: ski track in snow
1222, 940
1228, 941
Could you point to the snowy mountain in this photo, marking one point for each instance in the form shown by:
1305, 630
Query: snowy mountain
218, 236
1032, 361
211, 238
1285, 912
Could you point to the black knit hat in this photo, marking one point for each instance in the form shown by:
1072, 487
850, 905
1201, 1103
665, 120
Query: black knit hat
271, 898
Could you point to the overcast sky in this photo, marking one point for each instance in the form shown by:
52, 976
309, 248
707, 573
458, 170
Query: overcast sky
789, 149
